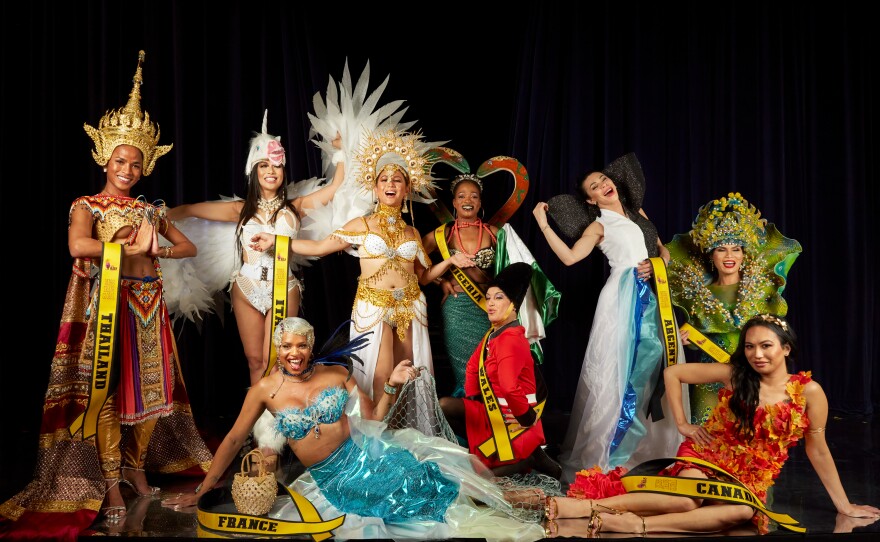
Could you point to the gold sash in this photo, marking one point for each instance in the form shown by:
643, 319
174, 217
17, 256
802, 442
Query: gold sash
105, 333
311, 524
501, 433
279, 293
701, 488
460, 276
703, 343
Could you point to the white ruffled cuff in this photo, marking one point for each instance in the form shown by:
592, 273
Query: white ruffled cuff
338, 156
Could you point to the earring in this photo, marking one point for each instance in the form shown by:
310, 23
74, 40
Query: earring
376, 206
405, 199
105, 170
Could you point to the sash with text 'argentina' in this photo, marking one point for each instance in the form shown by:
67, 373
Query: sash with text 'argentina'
703, 343
279, 293
501, 433
669, 332
644, 478
460, 276
212, 524
105, 333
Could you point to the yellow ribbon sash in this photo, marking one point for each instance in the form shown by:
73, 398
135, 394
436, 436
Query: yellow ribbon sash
460, 276
105, 333
703, 343
701, 488
501, 433
312, 523
664, 305
279, 293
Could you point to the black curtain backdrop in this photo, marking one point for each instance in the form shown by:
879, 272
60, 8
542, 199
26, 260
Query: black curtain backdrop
775, 100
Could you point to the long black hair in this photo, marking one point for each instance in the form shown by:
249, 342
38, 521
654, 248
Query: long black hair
249, 209
745, 381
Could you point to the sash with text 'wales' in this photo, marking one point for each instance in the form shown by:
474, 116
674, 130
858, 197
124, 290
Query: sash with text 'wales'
501, 433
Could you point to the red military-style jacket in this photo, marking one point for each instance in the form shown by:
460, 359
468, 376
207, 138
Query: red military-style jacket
511, 372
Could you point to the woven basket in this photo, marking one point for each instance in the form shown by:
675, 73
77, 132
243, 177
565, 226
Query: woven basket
254, 495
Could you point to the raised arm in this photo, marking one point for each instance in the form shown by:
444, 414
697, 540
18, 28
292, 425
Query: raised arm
219, 211
664, 252
251, 410
820, 455
326, 193
582, 248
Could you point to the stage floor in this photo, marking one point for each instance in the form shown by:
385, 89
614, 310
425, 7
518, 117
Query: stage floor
854, 441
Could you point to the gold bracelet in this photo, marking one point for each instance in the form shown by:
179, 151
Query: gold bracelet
168, 252
816, 430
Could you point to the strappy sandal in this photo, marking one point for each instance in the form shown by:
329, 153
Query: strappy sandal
550, 512
113, 514
551, 529
594, 526
153, 491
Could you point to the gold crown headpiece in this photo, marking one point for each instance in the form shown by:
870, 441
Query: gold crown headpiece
728, 221
128, 126
397, 150
774, 319
470, 177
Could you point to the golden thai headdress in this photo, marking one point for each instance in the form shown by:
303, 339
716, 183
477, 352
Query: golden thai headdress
728, 221
128, 126
404, 151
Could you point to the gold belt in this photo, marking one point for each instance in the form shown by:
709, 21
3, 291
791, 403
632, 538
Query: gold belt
397, 304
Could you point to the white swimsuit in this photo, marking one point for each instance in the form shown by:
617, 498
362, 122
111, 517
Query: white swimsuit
255, 275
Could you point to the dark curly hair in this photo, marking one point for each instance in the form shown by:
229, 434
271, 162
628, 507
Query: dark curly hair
745, 381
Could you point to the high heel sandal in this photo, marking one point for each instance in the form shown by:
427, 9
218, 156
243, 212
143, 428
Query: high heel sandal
551, 508
153, 491
113, 514
550, 512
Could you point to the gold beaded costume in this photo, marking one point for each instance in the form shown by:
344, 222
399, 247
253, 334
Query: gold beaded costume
146, 422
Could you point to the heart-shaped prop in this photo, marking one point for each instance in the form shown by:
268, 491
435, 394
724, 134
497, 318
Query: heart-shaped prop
453, 158
520, 186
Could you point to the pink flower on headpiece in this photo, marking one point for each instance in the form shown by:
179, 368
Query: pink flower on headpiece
275, 153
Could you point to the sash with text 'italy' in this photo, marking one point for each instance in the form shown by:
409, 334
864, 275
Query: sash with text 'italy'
279, 293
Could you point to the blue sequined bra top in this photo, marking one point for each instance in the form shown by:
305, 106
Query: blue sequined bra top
327, 407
